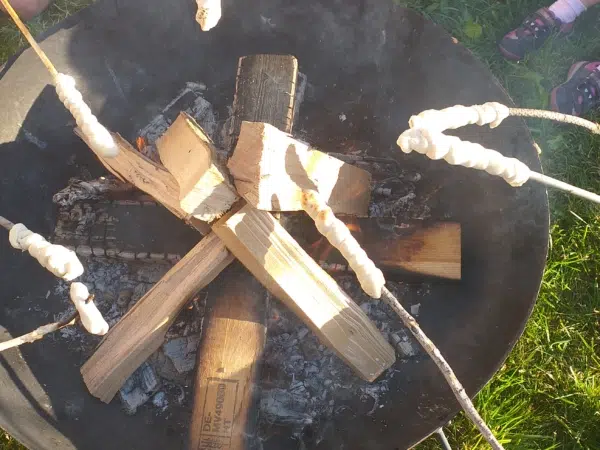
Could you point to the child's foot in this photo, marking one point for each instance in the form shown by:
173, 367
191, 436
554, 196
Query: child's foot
532, 33
581, 92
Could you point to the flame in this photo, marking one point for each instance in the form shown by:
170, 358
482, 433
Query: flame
353, 227
321, 249
140, 143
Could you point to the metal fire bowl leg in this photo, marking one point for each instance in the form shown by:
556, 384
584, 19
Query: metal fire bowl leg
369, 60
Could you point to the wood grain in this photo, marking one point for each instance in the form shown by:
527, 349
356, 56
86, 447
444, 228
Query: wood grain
271, 169
268, 251
434, 251
189, 155
411, 252
131, 166
142, 330
265, 91
233, 340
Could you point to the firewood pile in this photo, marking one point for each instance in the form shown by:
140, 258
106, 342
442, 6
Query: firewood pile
320, 338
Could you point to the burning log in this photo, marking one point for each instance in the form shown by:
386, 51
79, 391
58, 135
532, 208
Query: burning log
131, 166
271, 169
79, 190
187, 152
275, 258
412, 251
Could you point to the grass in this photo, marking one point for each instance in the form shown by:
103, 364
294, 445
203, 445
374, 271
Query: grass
547, 395
11, 40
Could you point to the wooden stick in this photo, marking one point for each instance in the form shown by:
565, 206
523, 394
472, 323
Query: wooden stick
555, 116
565, 187
21, 26
142, 330
449, 375
276, 259
39, 332
5, 223
233, 339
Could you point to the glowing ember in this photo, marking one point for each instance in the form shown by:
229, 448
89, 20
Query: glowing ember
140, 143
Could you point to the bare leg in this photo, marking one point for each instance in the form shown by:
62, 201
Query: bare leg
28, 9
589, 3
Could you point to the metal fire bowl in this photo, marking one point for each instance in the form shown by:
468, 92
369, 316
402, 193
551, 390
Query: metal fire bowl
372, 61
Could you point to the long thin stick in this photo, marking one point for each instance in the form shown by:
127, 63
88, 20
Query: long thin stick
557, 117
553, 182
5, 223
39, 332
443, 439
19, 23
434, 353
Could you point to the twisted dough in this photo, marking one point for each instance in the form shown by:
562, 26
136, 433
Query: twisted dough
91, 318
369, 276
209, 13
57, 259
437, 145
98, 136
459, 116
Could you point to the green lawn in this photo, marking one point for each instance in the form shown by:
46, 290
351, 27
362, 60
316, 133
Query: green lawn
547, 395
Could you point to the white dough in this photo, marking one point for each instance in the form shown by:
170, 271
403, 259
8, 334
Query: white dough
437, 145
97, 135
90, 317
459, 116
369, 276
62, 262
209, 13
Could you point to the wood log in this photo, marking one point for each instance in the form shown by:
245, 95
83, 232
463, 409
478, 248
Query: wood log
188, 153
142, 330
220, 355
133, 167
404, 253
271, 169
283, 267
433, 251
265, 91
233, 340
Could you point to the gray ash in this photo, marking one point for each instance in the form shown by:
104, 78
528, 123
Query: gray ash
396, 196
303, 382
118, 285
